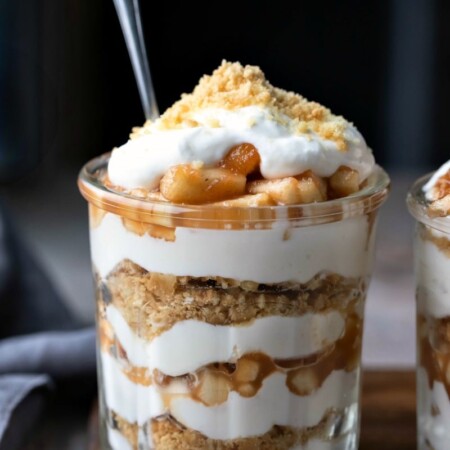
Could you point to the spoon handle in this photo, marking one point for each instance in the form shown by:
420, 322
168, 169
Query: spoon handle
130, 21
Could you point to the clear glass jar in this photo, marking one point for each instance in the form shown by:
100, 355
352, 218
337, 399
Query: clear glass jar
432, 268
230, 328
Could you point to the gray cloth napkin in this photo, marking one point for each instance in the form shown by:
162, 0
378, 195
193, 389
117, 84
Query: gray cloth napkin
23, 400
61, 355
43, 351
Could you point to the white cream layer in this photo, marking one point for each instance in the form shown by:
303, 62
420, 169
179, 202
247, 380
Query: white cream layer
117, 441
263, 256
433, 277
433, 427
142, 161
238, 417
133, 402
191, 344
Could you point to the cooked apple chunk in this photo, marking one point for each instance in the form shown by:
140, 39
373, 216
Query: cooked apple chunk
193, 184
213, 388
344, 181
306, 188
247, 201
242, 158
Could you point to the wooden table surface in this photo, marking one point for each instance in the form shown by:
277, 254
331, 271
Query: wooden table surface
388, 412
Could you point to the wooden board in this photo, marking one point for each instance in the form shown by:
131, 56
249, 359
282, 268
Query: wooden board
388, 412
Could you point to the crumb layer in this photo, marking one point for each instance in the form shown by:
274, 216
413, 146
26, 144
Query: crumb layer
168, 434
152, 303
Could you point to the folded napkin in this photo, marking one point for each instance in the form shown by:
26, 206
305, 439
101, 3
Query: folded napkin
43, 351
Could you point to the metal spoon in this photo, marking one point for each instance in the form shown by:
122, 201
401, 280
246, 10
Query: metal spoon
130, 21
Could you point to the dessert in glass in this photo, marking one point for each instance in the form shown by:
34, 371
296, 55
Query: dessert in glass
232, 243
429, 203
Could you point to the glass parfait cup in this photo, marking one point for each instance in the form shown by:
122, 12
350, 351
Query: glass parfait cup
229, 327
432, 270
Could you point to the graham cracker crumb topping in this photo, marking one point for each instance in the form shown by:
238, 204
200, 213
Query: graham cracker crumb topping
233, 86
440, 194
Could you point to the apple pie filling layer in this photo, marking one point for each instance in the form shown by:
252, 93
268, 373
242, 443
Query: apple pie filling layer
241, 371
211, 398
237, 416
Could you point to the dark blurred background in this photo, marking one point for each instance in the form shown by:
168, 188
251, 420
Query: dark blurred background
67, 93
67, 90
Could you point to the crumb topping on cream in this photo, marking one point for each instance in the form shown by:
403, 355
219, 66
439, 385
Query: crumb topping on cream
236, 105
233, 86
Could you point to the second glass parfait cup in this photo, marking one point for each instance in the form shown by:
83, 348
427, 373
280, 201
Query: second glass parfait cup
230, 327
432, 268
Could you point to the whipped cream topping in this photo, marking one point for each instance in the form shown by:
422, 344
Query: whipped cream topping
284, 151
430, 185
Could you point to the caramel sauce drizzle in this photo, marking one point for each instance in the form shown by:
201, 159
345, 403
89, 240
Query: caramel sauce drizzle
96, 215
152, 229
110, 344
345, 355
441, 242
434, 349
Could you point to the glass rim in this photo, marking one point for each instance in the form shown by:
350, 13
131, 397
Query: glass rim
368, 199
418, 207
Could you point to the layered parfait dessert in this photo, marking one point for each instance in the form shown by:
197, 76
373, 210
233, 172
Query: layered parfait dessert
430, 204
231, 244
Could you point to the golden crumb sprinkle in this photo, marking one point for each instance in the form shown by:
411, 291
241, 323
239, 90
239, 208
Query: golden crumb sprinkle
440, 194
233, 86
442, 187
